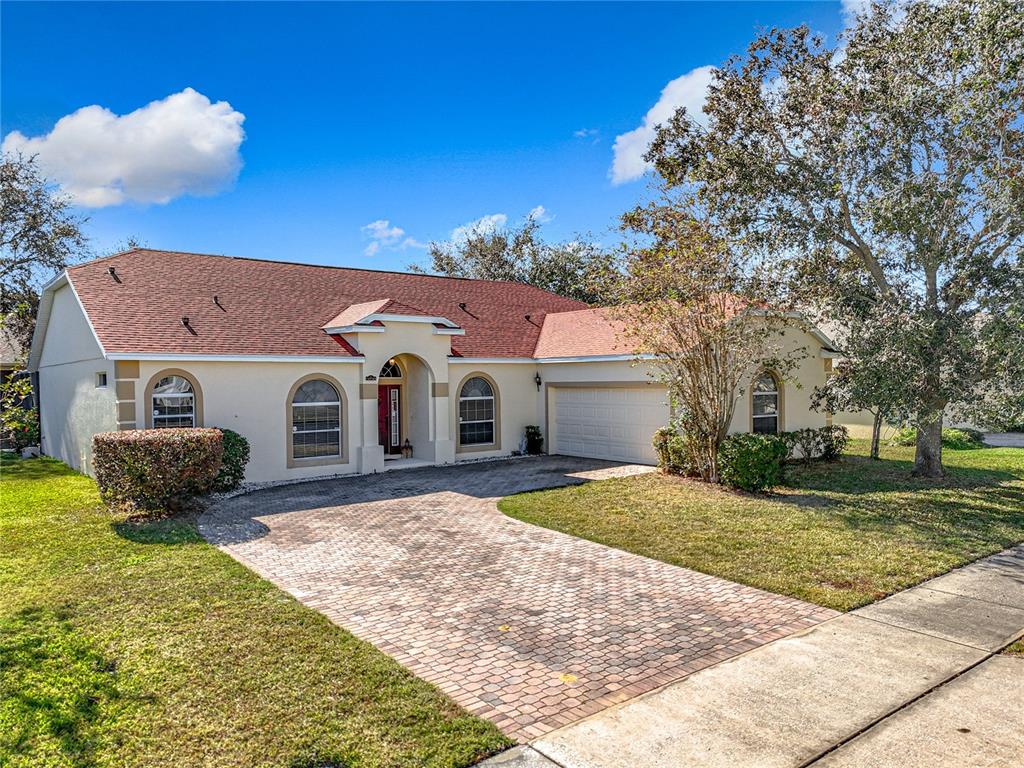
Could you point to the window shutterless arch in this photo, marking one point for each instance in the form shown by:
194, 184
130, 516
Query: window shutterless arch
478, 418
173, 398
316, 425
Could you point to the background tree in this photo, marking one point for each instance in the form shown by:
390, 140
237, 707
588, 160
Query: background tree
863, 380
39, 236
889, 173
576, 269
707, 314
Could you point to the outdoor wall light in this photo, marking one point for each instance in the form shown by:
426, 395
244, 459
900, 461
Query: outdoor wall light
536, 380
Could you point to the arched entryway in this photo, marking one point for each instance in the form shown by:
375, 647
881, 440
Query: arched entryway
404, 413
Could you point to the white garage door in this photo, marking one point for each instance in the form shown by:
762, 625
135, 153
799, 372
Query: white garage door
615, 423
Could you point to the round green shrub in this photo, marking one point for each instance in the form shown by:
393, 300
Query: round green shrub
957, 439
834, 440
962, 439
236, 456
752, 462
158, 470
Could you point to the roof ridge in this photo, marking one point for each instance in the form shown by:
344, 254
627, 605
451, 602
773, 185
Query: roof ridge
318, 266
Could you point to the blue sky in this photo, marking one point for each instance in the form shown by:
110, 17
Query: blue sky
425, 116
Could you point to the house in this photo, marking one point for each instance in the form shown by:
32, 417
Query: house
329, 370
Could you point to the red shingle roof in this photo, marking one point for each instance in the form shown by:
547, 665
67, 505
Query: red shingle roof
278, 308
582, 333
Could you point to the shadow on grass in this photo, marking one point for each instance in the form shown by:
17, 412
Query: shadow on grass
168, 532
858, 474
971, 510
59, 691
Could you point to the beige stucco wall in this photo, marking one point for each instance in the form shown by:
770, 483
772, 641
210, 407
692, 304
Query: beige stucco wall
797, 389
72, 408
252, 399
519, 404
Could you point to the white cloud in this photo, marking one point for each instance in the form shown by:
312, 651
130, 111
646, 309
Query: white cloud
383, 235
488, 223
853, 8
539, 214
183, 144
690, 91
593, 134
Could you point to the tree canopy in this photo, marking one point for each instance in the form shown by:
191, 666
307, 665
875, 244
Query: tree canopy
886, 173
577, 269
39, 236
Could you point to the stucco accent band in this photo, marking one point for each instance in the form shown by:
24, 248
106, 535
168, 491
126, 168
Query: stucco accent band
124, 390
125, 411
126, 369
367, 391
439, 389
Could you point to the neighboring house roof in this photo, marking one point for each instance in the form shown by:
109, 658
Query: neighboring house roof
280, 308
583, 333
10, 348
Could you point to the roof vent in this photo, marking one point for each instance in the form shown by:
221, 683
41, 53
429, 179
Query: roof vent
462, 306
189, 328
216, 300
113, 273
527, 318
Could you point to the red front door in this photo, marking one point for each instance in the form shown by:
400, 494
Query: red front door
389, 417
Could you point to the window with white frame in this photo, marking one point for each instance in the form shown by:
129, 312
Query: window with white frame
765, 404
101, 379
174, 403
476, 412
316, 420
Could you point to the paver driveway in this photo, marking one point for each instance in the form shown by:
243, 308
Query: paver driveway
527, 627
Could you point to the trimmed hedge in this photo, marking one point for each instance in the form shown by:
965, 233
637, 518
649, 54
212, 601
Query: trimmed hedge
236, 456
156, 469
826, 443
752, 462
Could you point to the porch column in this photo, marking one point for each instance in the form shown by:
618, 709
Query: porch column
371, 452
444, 445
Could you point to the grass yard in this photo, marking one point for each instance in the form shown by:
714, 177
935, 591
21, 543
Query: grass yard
840, 535
141, 645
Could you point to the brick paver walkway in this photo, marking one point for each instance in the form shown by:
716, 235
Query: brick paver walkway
527, 627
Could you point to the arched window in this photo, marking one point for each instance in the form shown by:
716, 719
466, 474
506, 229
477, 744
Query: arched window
390, 370
316, 420
174, 403
476, 412
765, 404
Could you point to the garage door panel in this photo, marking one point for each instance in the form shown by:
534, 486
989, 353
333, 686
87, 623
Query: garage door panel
615, 423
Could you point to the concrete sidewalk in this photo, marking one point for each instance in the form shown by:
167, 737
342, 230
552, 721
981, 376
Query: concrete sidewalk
908, 681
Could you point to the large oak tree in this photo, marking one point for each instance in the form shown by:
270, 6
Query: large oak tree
887, 172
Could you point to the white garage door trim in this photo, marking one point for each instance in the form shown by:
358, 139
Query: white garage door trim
607, 420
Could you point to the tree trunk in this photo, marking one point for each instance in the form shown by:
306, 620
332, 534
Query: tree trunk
928, 456
876, 434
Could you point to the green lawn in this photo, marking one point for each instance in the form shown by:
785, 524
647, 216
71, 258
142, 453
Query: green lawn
840, 535
141, 645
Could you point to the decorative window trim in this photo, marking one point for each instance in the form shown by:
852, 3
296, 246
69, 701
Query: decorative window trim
197, 393
780, 393
478, 447
317, 461
396, 364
